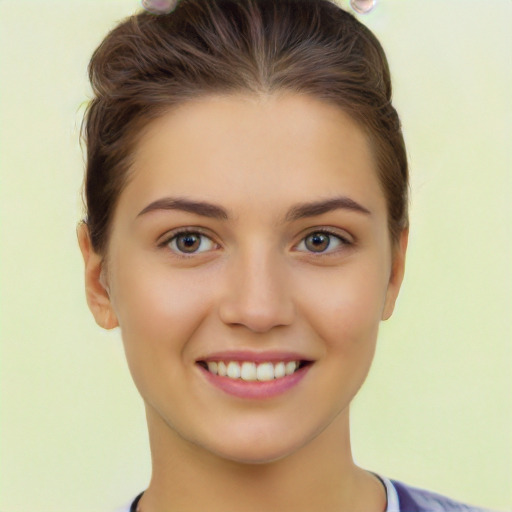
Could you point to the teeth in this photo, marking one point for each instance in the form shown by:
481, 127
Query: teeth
291, 367
234, 370
265, 371
221, 369
279, 370
249, 371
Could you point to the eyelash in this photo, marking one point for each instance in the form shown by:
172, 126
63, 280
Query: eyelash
344, 241
180, 232
196, 231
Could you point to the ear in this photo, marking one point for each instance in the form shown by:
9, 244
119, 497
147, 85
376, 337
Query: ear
96, 289
397, 274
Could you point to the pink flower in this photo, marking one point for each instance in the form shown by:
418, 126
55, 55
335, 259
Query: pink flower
159, 6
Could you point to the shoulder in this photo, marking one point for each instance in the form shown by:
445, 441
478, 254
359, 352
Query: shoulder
413, 499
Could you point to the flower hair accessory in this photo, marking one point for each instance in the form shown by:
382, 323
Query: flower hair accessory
363, 6
159, 6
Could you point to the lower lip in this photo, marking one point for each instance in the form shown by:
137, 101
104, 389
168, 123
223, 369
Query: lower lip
255, 389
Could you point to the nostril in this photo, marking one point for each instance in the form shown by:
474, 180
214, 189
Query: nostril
257, 317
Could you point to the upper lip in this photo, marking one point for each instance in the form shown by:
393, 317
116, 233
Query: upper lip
256, 357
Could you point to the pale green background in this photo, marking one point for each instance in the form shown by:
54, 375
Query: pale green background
436, 410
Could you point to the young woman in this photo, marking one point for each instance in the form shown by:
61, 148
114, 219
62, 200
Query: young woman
246, 229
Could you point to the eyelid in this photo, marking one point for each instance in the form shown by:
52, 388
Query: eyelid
166, 239
344, 238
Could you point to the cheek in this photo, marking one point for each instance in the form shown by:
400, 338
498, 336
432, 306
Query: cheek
158, 309
345, 308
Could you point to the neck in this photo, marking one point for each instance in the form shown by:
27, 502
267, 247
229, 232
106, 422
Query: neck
319, 476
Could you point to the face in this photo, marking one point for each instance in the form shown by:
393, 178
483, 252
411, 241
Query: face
252, 235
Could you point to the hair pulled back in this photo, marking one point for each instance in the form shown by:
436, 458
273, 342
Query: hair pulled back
150, 63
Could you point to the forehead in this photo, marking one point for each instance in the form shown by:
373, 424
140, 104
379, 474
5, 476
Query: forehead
262, 150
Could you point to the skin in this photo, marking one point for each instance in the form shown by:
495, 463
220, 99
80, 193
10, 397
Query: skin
256, 283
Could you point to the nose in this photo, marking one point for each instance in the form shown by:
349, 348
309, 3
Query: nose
257, 294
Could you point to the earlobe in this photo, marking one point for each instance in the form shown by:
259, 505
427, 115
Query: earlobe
397, 274
96, 288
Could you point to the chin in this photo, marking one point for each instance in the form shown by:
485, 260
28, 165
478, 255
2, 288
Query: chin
255, 455
255, 449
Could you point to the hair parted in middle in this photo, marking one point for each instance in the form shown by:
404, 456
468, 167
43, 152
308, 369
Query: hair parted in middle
150, 63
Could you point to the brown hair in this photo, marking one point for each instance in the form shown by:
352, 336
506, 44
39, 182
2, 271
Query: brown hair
149, 63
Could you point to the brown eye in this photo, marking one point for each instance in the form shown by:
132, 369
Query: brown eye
317, 242
322, 242
190, 243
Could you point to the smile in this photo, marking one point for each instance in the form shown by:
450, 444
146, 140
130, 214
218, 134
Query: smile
250, 371
254, 379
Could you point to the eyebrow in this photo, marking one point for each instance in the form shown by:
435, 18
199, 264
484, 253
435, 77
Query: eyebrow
186, 205
299, 211
302, 211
